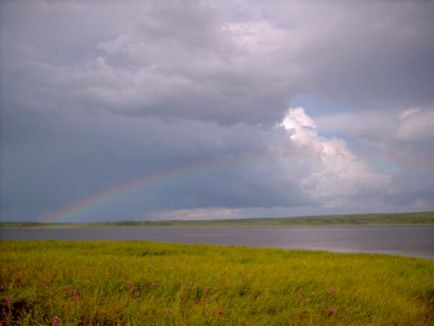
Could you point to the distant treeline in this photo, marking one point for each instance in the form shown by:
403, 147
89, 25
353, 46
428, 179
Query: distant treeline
354, 219
394, 218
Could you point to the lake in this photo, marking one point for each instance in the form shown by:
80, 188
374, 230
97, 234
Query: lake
417, 241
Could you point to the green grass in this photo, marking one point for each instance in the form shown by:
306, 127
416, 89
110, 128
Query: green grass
416, 218
144, 283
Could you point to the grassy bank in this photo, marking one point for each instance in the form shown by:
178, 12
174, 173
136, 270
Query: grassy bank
143, 283
414, 218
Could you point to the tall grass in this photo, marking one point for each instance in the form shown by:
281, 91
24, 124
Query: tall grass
144, 283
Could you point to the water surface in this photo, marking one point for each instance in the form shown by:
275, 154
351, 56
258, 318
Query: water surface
415, 241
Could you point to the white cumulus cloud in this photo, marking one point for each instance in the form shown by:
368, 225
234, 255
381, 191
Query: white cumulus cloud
337, 173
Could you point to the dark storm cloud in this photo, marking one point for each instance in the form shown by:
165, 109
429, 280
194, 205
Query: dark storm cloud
202, 65
373, 55
96, 94
134, 62
92, 152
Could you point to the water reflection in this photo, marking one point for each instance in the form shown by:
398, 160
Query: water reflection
404, 240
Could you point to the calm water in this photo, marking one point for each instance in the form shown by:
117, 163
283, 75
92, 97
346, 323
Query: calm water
402, 240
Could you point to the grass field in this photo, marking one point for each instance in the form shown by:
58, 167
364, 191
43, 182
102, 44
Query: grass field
144, 283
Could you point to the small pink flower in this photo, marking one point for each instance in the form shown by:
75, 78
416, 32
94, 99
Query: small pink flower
330, 311
333, 290
129, 286
75, 294
206, 290
8, 299
56, 320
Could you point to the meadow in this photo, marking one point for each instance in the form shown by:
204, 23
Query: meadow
145, 283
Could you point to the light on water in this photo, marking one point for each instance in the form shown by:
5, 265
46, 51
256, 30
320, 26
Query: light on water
415, 241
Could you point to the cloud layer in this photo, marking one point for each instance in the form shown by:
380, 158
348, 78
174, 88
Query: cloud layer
94, 95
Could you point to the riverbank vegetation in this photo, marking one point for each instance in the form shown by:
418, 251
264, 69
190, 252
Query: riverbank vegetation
417, 218
145, 283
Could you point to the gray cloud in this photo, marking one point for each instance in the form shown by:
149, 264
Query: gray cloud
209, 165
366, 55
96, 94
139, 64
208, 65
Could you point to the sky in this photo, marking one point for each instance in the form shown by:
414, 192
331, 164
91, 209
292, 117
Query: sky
150, 110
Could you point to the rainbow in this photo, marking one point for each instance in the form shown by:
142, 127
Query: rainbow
106, 195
